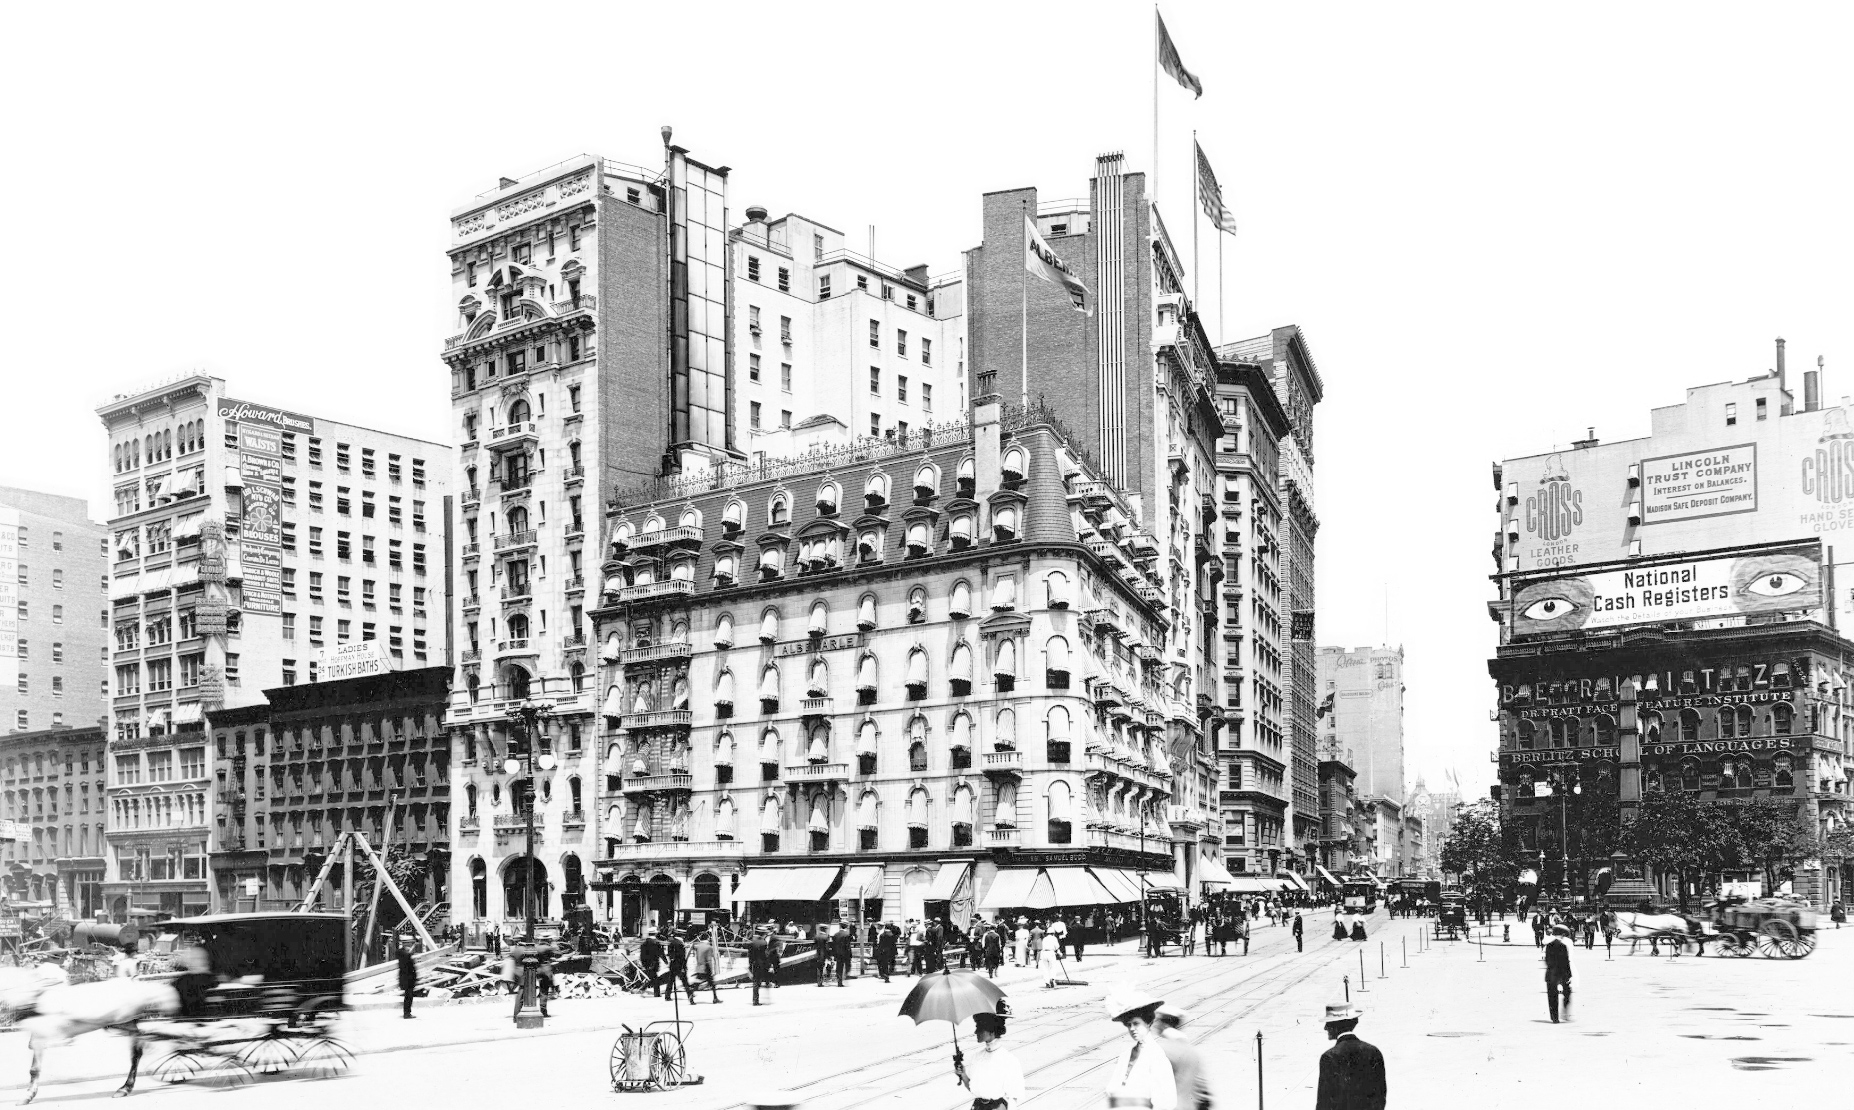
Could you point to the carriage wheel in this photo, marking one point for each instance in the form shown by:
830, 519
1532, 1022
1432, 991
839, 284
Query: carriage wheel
324, 1058
622, 1079
668, 1064
1743, 946
1726, 945
178, 1067
267, 1056
1775, 936
1808, 943
1792, 949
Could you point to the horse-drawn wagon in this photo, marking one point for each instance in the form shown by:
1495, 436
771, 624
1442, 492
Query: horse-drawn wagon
1773, 927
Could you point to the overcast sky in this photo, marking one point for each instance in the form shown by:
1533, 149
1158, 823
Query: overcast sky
1498, 224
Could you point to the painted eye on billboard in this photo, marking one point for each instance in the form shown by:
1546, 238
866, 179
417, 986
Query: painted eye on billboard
1668, 590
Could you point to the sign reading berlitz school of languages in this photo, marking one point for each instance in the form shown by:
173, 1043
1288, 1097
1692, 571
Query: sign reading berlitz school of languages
1769, 580
1696, 484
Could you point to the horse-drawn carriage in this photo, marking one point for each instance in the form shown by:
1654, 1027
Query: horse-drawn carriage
251, 993
1451, 922
1771, 926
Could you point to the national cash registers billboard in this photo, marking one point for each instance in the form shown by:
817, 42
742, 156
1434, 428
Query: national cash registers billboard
1768, 579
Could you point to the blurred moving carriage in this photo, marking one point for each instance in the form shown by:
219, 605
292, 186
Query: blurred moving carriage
1773, 927
258, 993
1451, 921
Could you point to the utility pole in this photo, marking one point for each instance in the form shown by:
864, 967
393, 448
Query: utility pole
527, 715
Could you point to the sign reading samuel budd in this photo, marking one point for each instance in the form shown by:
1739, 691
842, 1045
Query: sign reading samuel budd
354, 660
1712, 482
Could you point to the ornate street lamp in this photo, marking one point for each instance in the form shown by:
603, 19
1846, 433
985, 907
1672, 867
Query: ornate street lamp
528, 713
1564, 793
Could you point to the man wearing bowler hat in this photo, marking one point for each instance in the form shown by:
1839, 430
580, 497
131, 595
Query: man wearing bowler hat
1351, 1071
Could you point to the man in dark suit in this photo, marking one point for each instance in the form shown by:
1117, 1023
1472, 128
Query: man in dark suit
885, 945
1351, 1071
1558, 971
820, 951
1299, 935
759, 961
678, 956
650, 954
841, 949
408, 976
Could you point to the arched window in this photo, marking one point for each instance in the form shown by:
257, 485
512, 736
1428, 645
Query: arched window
1605, 779
866, 814
820, 619
917, 605
1560, 732
1604, 731
725, 823
829, 496
1056, 662
961, 605
1782, 719
770, 746
769, 626
519, 413
875, 491
1651, 779
917, 755
819, 749
926, 483
1004, 659
960, 531
1651, 727
1004, 524
1689, 727
1527, 783
1005, 739
778, 511
917, 808
866, 612
769, 689
518, 627
959, 670
470, 799
966, 479
869, 546
1782, 773
1734, 774
724, 632
1689, 774
707, 891
920, 542
653, 525
866, 745
772, 562
1005, 815
1004, 593
1056, 590
1526, 730
727, 570
817, 682
734, 517
724, 749
517, 520
1745, 717
691, 518
917, 673
1013, 465
682, 570
1060, 805
1727, 723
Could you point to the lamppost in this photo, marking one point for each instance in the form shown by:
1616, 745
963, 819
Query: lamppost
528, 713
1551, 787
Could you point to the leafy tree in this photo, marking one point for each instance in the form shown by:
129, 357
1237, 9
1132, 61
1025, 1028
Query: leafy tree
1479, 848
1771, 836
1678, 834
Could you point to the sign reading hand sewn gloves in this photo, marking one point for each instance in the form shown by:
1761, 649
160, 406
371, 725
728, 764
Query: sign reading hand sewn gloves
1769, 579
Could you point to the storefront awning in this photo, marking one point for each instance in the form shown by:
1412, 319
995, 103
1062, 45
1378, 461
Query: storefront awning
946, 881
1075, 886
187, 713
1325, 874
863, 881
1293, 881
1123, 887
1160, 880
1210, 869
1009, 889
1252, 884
785, 884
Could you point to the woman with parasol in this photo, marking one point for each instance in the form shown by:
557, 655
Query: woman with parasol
991, 1073
953, 996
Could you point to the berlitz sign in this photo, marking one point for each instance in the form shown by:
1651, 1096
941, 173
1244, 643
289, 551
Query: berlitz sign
1720, 747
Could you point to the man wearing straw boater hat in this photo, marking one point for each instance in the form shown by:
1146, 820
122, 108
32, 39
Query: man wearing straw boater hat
1351, 1071
1558, 971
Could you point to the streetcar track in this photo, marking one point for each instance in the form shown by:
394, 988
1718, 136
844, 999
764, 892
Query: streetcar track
1256, 986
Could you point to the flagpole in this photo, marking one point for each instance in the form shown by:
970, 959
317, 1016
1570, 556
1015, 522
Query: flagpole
1023, 320
1152, 193
1197, 204
1219, 283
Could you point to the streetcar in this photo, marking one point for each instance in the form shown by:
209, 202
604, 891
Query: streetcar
1361, 895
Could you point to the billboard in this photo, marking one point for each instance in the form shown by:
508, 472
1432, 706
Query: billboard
1714, 474
9, 598
244, 412
263, 587
260, 463
353, 660
1769, 579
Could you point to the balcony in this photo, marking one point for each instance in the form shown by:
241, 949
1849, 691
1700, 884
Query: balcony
1004, 763
816, 772
1092, 493
1128, 842
1004, 838
471, 655
654, 591
585, 302
575, 475
576, 585
517, 594
655, 653
514, 541
658, 783
677, 849
513, 435
471, 551
815, 707
669, 718
667, 537
516, 823
521, 645
471, 500
573, 819
1108, 621
470, 826
472, 603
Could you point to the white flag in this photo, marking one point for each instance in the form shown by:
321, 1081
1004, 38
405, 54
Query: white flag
1041, 261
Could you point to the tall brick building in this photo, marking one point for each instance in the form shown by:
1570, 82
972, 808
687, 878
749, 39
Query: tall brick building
53, 623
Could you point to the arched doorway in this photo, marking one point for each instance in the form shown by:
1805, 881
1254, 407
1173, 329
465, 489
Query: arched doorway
631, 905
516, 678
660, 899
914, 887
573, 885
514, 889
479, 889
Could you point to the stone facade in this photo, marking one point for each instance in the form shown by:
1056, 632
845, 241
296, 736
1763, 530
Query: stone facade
54, 801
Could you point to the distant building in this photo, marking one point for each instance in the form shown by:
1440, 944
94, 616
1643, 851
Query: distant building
1437, 811
1341, 837
54, 632
1366, 685
53, 804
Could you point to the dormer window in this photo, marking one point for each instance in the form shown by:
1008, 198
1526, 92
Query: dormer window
733, 520
961, 531
779, 512
869, 546
926, 483
1004, 525
1013, 467
875, 491
828, 497
920, 542
966, 479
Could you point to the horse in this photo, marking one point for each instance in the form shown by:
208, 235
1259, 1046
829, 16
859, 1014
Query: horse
54, 1011
1656, 927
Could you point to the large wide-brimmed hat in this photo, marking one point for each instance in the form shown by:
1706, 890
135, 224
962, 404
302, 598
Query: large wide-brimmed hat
1121, 1003
1342, 1011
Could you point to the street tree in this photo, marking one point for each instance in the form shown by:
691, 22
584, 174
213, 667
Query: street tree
1771, 837
1677, 834
1480, 849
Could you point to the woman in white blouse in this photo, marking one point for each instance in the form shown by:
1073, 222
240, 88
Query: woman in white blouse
1142, 1077
990, 1072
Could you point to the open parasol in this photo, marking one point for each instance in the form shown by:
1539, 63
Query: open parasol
951, 996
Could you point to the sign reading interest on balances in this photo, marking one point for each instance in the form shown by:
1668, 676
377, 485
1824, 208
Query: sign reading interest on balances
1713, 482
1764, 581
